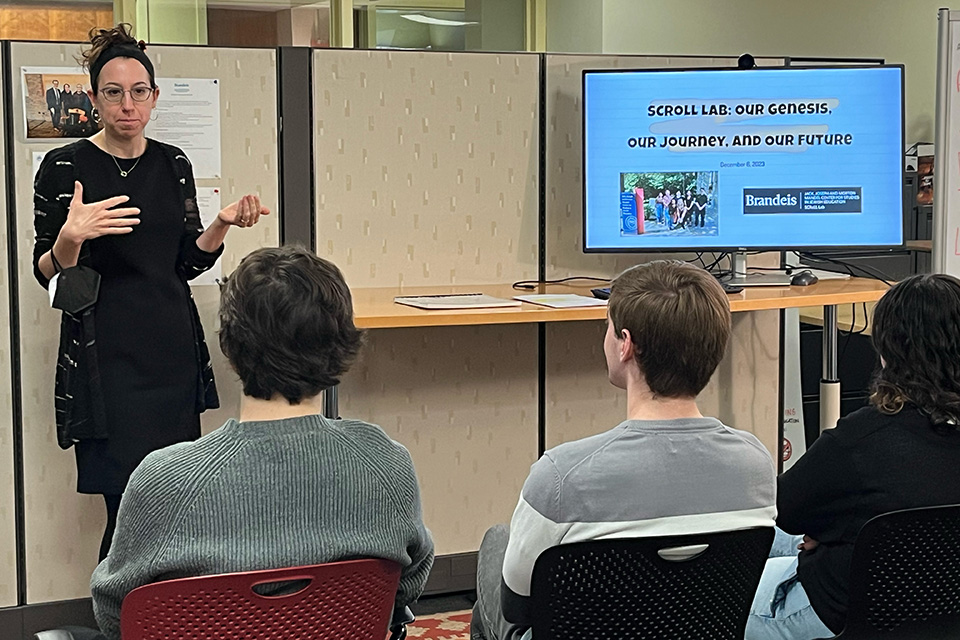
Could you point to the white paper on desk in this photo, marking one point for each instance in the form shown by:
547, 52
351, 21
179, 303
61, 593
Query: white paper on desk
455, 301
561, 300
188, 116
208, 201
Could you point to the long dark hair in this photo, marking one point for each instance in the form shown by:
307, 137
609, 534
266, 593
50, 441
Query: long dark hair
916, 330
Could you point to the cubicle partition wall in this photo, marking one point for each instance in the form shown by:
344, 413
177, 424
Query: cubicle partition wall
429, 169
427, 174
579, 399
8, 537
62, 528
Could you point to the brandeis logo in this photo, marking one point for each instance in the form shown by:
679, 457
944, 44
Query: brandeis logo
778, 200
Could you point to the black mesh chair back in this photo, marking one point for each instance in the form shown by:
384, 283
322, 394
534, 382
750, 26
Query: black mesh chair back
673, 587
905, 576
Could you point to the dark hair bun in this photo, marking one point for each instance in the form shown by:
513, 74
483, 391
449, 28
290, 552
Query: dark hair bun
103, 39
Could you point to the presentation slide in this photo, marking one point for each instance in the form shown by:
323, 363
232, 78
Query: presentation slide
743, 159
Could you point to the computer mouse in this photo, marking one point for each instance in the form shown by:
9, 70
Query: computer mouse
804, 278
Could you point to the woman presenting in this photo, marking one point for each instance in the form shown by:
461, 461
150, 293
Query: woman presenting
118, 229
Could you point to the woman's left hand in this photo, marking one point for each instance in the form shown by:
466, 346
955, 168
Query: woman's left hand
245, 212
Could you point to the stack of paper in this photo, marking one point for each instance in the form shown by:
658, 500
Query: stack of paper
562, 300
456, 301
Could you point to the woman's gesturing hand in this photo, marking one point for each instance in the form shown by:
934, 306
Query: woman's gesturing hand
88, 221
245, 212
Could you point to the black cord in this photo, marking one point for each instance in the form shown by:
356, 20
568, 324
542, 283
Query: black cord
870, 272
853, 329
846, 340
866, 319
713, 268
716, 262
530, 285
57, 268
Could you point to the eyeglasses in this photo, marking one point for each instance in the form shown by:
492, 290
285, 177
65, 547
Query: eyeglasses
115, 94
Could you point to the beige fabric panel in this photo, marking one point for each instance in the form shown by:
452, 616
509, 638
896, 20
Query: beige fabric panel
8, 538
427, 175
463, 400
248, 130
63, 528
742, 393
427, 166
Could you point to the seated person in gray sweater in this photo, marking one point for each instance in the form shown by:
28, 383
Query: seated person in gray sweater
665, 470
282, 486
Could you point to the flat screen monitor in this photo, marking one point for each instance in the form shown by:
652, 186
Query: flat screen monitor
731, 160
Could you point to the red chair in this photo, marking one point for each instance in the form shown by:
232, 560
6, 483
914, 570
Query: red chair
352, 599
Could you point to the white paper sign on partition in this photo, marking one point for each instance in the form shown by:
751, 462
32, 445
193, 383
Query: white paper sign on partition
188, 116
208, 200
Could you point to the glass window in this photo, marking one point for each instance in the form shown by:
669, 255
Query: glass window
58, 21
440, 25
235, 23
416, 29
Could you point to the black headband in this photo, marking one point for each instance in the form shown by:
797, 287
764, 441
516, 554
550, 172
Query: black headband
121, 51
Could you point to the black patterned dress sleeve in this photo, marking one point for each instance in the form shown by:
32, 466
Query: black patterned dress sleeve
52, 192
193, 260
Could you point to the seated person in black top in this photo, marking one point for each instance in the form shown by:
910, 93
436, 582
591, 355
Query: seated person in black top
902, 451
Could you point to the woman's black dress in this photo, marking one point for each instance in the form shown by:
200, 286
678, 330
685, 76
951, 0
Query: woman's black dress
145, 339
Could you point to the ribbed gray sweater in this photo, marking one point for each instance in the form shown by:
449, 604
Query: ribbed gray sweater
265, 495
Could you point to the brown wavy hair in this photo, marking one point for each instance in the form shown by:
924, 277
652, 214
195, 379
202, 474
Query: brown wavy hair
916, 331
286, 324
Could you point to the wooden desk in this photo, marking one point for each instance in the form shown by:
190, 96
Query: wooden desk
374, 308
920, 245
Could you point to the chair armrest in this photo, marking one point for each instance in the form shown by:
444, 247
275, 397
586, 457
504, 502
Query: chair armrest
398, 626
55, 634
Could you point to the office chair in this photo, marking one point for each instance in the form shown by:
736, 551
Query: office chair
693, 586
351, 599
905, 577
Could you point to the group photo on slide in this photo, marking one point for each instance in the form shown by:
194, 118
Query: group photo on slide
676, 203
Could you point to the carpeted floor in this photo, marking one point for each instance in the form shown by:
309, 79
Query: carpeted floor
453, 625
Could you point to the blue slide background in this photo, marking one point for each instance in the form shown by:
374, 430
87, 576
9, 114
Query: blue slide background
869, 107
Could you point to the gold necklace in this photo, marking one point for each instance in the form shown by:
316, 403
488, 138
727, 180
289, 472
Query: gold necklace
123, 174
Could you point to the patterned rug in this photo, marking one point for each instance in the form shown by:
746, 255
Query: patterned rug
454, 625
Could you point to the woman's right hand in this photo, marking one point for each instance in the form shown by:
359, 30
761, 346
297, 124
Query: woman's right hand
88, 221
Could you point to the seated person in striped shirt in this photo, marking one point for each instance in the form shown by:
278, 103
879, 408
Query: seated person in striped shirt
665, 470
282, 486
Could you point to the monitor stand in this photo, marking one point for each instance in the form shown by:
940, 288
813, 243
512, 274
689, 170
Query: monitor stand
743, 278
